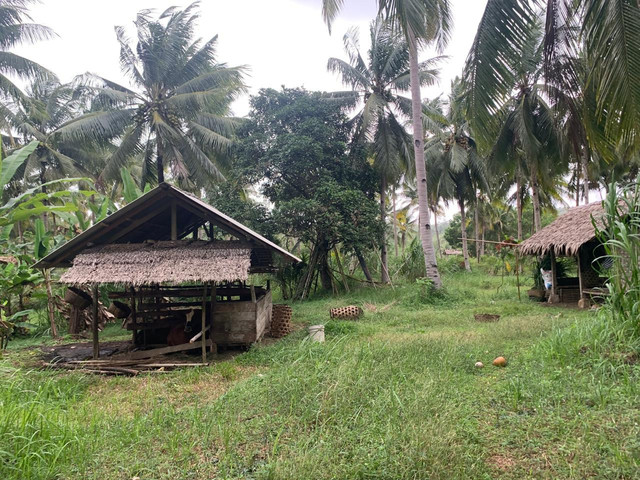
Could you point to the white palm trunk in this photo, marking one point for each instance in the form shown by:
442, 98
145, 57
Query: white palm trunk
424, 231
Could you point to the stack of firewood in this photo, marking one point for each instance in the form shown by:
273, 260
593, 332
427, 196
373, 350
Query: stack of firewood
281, 320
128, 367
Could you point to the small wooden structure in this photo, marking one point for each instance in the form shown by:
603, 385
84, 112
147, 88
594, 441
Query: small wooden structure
572, 234
181, 267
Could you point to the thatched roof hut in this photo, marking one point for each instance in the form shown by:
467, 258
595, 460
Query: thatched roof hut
175, 255
567, 233
572, 234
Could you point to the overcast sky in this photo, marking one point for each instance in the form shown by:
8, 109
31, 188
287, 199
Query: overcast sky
283, 42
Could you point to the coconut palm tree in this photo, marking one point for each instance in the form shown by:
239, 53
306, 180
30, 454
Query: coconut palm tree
528, 141
420, 22
456, 169
16, 29
177, 111
379, 80
608, 31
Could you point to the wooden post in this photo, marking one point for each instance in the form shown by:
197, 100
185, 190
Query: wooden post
583, 302
174, 221
253, 293
94, 322
214, 348
134, 315
269, 285
554, 297
203, 323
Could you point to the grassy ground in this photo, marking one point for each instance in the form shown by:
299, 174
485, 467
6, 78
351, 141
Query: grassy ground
394, 395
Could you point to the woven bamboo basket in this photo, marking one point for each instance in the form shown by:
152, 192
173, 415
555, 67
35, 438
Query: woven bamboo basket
281, 320
77, 298
119, 309
350, 311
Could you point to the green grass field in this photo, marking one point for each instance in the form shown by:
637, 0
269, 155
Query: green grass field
394, 395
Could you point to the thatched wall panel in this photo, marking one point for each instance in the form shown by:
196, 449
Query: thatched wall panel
161, 263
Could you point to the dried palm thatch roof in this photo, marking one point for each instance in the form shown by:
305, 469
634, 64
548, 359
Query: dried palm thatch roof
173, 262
567, 233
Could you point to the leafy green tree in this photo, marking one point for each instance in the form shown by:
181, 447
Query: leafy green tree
294, 148
420, 22
177, 112
379, 79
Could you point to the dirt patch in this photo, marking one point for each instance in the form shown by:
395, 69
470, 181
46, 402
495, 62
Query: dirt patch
83, 351
503, 463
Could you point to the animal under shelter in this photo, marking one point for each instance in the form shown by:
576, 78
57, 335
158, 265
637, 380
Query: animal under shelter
178, 270
573, 234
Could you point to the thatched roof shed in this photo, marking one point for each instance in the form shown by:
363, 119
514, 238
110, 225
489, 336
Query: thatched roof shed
178, 257
567, 233
161, 263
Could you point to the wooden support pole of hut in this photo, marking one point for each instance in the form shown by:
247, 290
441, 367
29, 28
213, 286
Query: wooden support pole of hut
214, 348
134, 316
94, 322
253, 293
583, 302
554, 297
204, 323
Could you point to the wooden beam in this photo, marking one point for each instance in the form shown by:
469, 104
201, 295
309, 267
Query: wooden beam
159, 351
134, 316
253, 293
213, 348
121, 233
554, 273
203, 323
94, 322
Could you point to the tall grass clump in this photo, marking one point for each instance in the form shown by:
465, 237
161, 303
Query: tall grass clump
611, 339
620, 236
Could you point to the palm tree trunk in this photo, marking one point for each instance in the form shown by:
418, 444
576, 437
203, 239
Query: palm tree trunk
535, 198
431, 265
476, 221
519, 202
159, 161
483, 244
585, 174
435, 224
395, 223
463, 228
577, 183
384, 270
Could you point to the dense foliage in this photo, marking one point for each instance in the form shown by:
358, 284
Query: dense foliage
295, 147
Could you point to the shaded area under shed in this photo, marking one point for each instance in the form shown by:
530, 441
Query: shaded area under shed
573, 234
